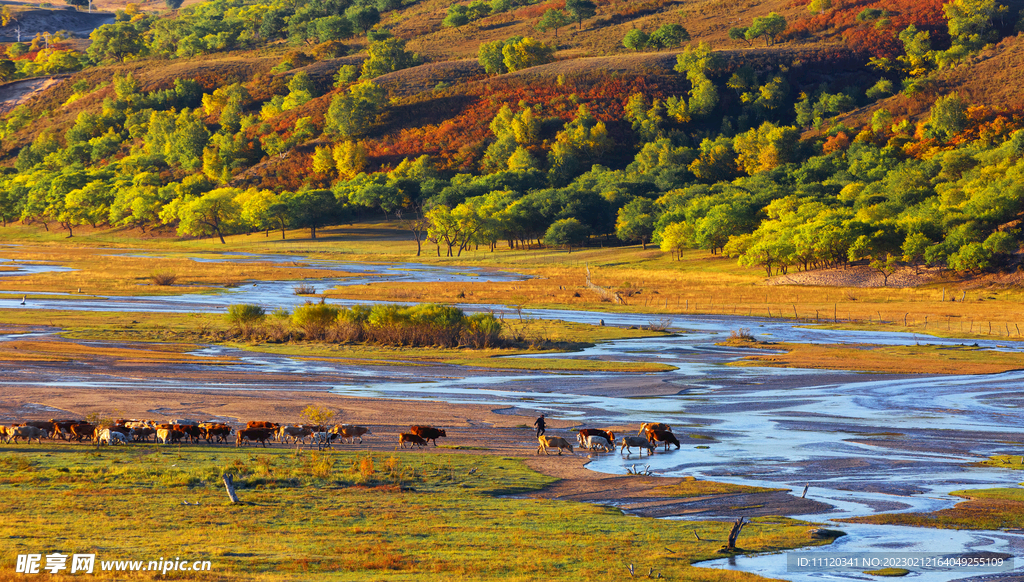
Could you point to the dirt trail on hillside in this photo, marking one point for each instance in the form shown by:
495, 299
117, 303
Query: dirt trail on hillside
17, 92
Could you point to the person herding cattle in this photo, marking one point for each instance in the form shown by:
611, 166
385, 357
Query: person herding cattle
539, 423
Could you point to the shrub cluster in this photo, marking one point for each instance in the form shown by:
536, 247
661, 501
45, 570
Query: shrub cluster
389, 325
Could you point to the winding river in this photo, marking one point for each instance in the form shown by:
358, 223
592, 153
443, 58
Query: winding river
863, 443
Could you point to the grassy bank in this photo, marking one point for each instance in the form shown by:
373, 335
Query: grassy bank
341, 516
885, 359
1000, 508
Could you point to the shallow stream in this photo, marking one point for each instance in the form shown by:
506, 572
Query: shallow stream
863, 443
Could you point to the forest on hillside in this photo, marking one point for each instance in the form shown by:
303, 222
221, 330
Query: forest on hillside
233, 116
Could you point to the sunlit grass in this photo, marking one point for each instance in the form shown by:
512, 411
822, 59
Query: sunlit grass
342, 516
889, 359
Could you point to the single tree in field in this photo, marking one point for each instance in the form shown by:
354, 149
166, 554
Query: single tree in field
319, 415
553, 20
635, 39
581, 10
173, 4
740, 33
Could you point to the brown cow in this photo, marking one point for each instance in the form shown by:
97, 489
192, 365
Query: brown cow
260, 435
217, 433
82, 430
192, 431
408, 437
552, 442
63, 426
141, 434
664, 436
428, 433
347, 431
262, 424
586, 432
169, 435
653, 426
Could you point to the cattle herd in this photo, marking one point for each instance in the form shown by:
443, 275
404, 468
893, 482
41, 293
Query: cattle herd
124, 431
603, 439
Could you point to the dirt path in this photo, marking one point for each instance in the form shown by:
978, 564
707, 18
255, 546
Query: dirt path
17, 92
471, 429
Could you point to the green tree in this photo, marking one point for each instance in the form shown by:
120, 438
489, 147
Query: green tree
676, 237
387, 56
457, 16
351, 114
553, 20
313, 209
580, 10
766, 147
769, 27
566, 232
173, 4
914, 247
948, 117
119, 41
215, 212
669, 36
635, 39
636, 221
526, 53
740, 33
363, 17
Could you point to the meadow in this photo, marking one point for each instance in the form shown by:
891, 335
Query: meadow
341, 516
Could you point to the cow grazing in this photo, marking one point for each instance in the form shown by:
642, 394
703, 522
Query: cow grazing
408, 437
112, 437
169, 436
348, 432
664, 436
653, 426
192, 431
25, 432
295, 433
260, 435
552, 442
428, 433
635, 441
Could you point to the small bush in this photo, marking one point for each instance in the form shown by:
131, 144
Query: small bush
482, 330
305, 289
245, 314
741, 334
163, 279
315, 319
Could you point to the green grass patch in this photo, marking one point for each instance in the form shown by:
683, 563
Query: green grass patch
1015, 462
340, 516
691, 487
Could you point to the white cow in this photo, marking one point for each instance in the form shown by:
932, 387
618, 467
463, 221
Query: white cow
112, 437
